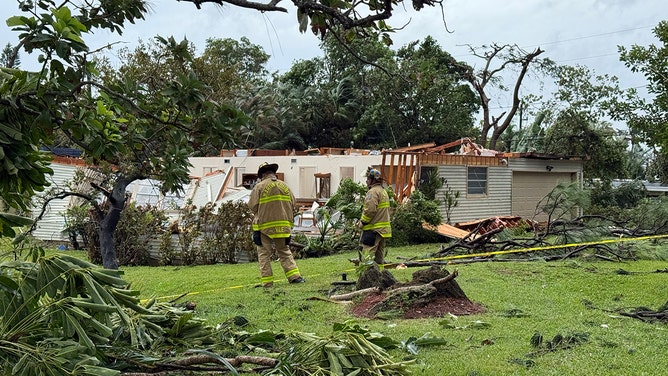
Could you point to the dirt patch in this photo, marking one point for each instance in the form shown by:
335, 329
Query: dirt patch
438, 307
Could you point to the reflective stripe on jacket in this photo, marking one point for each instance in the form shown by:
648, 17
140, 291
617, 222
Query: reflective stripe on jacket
273, 204
376, 211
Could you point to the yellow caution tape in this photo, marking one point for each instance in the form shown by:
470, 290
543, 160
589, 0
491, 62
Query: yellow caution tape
453, 257
544, 248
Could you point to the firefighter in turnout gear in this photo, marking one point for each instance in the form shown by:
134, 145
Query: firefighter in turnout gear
273, 204
375, 220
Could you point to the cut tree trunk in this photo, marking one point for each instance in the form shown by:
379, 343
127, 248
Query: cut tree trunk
374, 277
425, 287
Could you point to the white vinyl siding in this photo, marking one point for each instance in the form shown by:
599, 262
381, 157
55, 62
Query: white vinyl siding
529, 188
50, 227
496, 202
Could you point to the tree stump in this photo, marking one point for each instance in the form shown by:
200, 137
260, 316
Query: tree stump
401, 299
426, 286
374, 277
438, 278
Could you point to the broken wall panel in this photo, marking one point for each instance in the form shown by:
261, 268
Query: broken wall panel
400, 172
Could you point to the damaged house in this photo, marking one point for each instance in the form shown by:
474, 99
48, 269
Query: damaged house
490, 184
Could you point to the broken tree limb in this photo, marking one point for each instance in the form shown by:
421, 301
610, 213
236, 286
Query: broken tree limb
414, 264
647, 316
236, 361
350, 295
446, 279
189, 364
343, 301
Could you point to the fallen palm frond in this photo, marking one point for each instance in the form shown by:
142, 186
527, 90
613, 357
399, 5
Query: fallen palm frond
350, 350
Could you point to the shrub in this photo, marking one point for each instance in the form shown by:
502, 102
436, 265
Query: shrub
409, 217
76, 218
348, 199
136, 230
626, 195
651, 216
226, 232
187, 230
209, 235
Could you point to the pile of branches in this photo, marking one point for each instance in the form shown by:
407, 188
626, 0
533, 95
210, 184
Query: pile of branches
560, 239
562, 236
69, 316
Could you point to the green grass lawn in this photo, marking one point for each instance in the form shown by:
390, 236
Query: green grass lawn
575, 296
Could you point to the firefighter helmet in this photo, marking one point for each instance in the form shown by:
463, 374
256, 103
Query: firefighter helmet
267, 167
373, 173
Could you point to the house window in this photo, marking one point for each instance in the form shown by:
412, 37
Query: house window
476, 180
347, 172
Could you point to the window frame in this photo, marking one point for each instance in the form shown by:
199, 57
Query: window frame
481, 188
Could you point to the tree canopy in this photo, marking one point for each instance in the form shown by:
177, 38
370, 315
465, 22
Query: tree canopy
649, 119
118, 121
369, 95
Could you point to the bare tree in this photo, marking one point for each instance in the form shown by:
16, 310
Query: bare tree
510, 56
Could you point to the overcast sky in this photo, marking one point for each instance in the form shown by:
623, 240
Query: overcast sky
585, 32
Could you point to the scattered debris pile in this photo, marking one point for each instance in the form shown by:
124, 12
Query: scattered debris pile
550, 240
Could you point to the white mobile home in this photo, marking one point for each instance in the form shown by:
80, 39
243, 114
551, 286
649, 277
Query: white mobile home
51, 226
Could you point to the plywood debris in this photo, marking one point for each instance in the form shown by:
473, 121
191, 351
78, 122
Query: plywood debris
448, 230
483, 226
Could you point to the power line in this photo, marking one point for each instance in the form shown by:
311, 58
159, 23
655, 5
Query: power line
591, 36
585, 37
588, 57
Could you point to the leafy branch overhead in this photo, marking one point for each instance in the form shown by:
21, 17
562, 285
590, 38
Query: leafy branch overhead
363, 18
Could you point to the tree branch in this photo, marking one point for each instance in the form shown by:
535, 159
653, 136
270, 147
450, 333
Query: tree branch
61, 196
263, 7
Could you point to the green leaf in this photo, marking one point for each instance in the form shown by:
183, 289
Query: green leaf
6, 230
84, 339
15, 220
334, 364
12, 132
264, 337
16, 21
9, 285
91, 370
